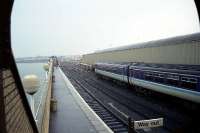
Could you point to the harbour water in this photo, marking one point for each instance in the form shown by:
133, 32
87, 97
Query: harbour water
31, 68
36, 69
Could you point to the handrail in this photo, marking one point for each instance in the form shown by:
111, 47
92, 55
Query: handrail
46, 110
39, 106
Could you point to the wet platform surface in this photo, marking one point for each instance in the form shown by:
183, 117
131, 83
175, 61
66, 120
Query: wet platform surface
69, 118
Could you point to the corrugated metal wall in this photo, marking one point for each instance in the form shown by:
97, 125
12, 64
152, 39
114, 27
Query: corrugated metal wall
187, 53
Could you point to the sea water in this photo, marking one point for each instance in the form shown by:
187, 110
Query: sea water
39, 97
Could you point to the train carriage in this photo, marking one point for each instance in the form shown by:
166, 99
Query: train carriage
86, 66
115, 71
181, 81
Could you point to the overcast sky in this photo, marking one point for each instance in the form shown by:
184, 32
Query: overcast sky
68, 27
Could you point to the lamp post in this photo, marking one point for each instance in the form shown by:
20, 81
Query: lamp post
46, 68
31, 85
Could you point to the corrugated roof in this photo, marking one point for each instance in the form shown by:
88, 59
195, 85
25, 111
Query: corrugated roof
169, 41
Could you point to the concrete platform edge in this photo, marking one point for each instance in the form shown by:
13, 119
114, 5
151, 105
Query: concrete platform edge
96, 121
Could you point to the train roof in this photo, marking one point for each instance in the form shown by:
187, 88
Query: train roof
155, 65
155, 43
115, 63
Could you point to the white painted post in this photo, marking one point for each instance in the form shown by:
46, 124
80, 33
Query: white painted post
32, 105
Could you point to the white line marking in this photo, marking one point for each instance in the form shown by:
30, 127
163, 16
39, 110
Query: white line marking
111, 104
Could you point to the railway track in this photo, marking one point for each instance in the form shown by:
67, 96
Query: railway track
139, 112
113, 121
137, 106
144, 110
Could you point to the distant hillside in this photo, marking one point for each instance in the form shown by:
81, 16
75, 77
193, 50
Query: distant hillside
32, 59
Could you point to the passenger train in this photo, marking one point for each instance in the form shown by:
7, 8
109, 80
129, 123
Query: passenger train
181, 81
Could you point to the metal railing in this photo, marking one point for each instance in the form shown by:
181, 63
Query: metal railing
43, 111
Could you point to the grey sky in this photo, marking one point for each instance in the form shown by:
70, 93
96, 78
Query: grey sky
68, 27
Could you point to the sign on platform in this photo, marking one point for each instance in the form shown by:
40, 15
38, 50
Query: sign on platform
148, 123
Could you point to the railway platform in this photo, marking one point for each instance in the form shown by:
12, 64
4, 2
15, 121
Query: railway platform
73, 115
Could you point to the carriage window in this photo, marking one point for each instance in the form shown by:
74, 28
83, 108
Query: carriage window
188, 79
173, 77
